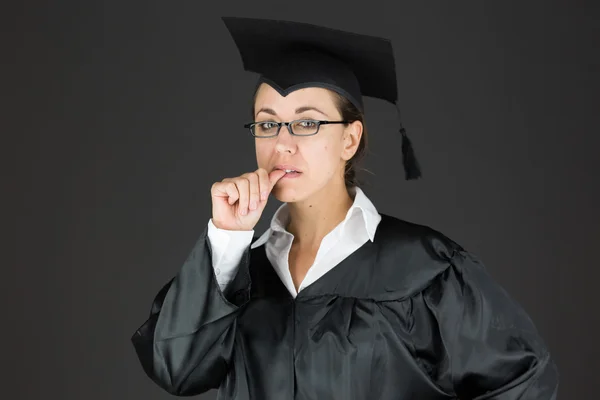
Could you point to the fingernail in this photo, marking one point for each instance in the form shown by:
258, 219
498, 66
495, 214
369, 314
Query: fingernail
253, 205
243, 212
264, 195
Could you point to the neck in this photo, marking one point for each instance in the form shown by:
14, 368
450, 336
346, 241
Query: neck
312, 219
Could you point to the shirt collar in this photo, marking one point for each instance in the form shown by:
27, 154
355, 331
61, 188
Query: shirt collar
361, 203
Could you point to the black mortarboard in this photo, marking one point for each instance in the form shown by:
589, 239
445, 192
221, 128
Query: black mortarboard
291, 55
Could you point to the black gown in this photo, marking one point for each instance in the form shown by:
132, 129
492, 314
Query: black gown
411, 315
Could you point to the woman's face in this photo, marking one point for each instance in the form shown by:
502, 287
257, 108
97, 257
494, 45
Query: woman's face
320, 158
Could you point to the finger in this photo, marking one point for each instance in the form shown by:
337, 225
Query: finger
227, 188
254, 190
275, 176
243, 187
219, 189
232, 191
264, 183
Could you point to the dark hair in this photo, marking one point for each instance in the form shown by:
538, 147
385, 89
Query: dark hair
348, 112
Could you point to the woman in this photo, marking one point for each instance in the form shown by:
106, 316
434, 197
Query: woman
335, 300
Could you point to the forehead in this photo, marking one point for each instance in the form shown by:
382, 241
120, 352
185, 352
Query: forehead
314, 96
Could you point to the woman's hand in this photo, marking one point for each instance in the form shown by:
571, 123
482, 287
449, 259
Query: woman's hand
239, 202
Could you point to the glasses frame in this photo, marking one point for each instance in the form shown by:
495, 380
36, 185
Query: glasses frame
289, 126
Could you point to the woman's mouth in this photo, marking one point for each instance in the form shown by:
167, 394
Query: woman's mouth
289, 173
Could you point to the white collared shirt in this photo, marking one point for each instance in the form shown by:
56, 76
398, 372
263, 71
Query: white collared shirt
359, 226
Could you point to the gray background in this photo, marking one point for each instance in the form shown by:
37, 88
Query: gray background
118, 117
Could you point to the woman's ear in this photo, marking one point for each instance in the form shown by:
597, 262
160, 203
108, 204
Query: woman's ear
352, 135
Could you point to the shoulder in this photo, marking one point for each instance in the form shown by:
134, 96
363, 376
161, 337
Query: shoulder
395, 234
411, 255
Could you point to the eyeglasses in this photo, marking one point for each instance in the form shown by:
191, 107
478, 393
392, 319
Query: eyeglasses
300, 127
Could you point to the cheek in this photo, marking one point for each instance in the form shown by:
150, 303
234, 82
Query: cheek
324, 157
263, 150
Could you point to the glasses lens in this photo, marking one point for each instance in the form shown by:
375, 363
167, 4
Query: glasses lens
265, 129
305, 127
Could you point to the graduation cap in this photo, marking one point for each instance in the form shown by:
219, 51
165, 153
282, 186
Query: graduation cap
290, 55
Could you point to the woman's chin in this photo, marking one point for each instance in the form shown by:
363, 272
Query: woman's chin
286, 195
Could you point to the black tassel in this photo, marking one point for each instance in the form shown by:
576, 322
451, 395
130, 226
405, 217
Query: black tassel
411, 165
409, 159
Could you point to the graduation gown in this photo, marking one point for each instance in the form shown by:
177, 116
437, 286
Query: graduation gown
411, 315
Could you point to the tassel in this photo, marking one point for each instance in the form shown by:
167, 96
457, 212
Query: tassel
412, 169
411, 165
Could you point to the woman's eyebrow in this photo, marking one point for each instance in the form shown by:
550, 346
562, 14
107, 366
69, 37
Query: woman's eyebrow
307, 108
266, 110
299, 110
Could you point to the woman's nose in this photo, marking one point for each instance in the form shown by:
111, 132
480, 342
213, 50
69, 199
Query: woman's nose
285, 140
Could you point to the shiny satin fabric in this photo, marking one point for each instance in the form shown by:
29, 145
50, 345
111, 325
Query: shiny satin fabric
411, 315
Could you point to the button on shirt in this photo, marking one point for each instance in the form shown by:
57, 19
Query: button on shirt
358, 226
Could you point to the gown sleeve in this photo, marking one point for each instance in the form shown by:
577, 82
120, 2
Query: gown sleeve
494, 350
185, 346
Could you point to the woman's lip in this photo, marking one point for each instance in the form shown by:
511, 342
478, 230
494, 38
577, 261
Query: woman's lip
284, 167
291, 175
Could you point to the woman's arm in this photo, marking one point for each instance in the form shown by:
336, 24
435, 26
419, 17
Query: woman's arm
186, 343
494, 350
227, 250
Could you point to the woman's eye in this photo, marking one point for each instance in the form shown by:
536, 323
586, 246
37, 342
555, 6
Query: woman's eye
307, 124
